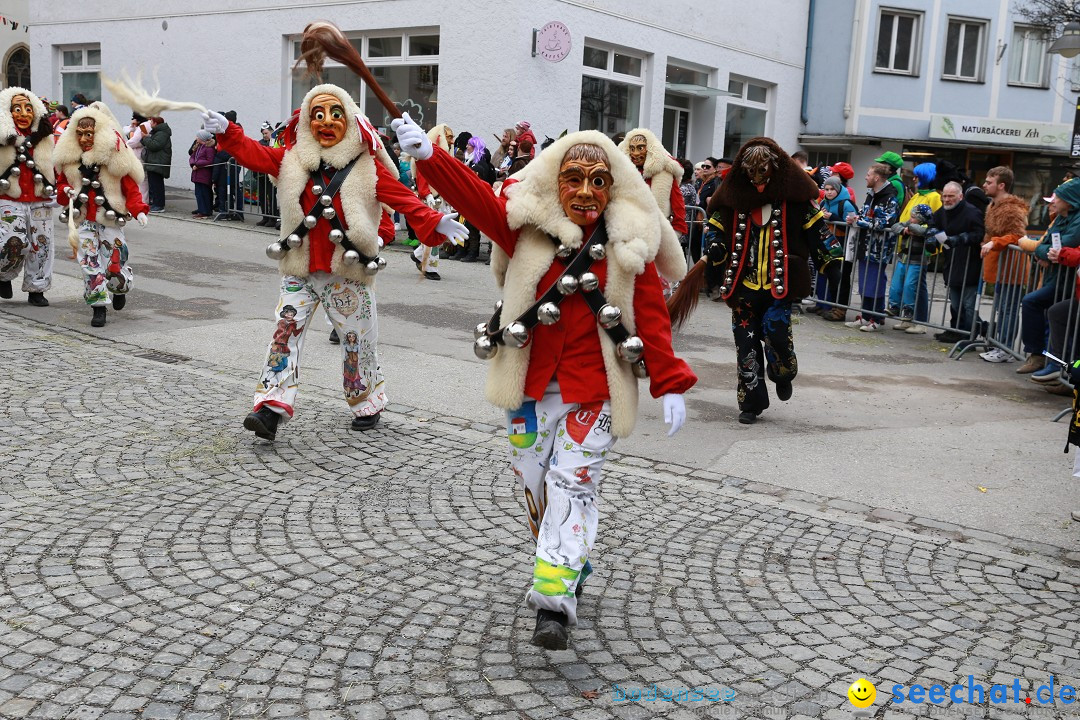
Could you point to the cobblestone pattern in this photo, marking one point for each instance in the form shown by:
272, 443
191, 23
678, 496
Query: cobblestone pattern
157, 563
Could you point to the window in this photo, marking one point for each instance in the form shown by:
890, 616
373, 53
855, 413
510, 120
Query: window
610, 89
964, 50
405, 64
747, 112
828, 158
898, 43
79, 72
1029, 62
17, 67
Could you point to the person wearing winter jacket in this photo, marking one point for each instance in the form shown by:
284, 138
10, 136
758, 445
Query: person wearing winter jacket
960, 234
158, 161
834, 208
875, 245
202, 161
908, 295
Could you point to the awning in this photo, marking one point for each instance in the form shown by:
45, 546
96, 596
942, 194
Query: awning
698, 90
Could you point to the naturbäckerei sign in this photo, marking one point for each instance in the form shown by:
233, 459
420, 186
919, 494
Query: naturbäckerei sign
1000, 132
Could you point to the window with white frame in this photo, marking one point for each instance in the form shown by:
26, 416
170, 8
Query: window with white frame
747, 112
406, 65
1029, 62
611, 83
964, 50
80, 66
898, 42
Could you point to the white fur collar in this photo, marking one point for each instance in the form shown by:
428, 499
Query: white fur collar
110, 152
7, 123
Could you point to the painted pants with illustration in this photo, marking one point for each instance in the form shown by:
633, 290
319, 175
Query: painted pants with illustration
761, 326
26, 244
103, 257
350, 307
557, 452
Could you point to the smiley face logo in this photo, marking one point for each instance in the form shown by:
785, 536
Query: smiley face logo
862, 693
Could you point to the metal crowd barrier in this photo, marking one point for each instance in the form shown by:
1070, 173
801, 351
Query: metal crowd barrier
694, 240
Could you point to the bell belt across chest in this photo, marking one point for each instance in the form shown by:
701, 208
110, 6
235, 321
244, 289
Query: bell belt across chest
24, 153
90, 181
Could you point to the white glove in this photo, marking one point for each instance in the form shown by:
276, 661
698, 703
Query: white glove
674, 412
141, 218
429, 200
454, 231
214, 122
411, 137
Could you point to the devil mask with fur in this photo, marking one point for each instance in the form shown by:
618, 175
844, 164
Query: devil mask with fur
763, 173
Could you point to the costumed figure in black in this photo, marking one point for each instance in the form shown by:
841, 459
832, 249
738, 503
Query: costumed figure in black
764, 226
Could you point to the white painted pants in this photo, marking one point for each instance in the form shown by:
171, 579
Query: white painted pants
26, 243
557, 451
350, 307
103, 257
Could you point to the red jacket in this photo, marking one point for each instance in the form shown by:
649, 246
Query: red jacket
678, 208
26, 181
569, 350
388, 189
128, 186
1070, 257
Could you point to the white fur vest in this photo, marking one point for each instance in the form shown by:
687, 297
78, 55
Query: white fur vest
636, 235
42, 150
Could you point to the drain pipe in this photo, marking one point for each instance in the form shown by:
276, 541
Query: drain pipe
803, 113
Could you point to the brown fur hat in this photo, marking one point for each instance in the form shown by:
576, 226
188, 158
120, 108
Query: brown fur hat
789, 182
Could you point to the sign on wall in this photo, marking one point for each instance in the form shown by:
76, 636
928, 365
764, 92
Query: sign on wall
1000, 132
552, 42
1074, 146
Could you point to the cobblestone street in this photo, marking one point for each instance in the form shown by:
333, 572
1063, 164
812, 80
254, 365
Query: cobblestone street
156, 562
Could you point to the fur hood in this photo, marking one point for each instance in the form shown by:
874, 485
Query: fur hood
110, 152
789, 182
657, 158
40, 131
1007, 217
636, 230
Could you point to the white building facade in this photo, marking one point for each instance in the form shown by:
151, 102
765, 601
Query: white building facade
15, 43
701, 83
964, 81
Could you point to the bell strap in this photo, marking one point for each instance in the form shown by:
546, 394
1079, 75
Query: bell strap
578, 265
24, 148
91, 174
332, 189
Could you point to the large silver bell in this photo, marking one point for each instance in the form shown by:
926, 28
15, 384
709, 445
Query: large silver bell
485, 348
381, 262
480, 330
589, 281
85, 181
309, 221
83, 197
326, 200
4, 185
38, 177
336, 235
30, 164
110, 214
21, 158
597, 251
316, 189
95, 184
76, 212
609, 316
640, 371
567, 284
16, 171
548, 313
294, 240
351, 257
121, 222
516, 334
631, 349
564, 251
99, 201
275, 251
371, 268
329, 213
63, 216
48, 189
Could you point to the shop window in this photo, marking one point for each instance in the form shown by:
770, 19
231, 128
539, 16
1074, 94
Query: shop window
964, 50
747, 112
828, 158
17, 68
1029, 62
80, 68
611, 85
405, 64
898, 42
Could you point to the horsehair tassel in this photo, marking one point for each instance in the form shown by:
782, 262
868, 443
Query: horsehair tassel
131, 93
323, 39
685, 299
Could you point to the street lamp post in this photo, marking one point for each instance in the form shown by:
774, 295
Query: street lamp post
1068, 46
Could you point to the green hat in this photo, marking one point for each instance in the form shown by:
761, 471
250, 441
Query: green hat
891, 159
1069, 191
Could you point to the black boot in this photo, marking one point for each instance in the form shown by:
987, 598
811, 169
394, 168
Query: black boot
551, 632
119, 301
99, 316
5, 289
783, 390
470, 258
747, 418
365, 422
37, 300
334, 339
263, 422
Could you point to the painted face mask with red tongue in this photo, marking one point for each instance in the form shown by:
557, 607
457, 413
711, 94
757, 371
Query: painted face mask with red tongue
584, 185
758, 164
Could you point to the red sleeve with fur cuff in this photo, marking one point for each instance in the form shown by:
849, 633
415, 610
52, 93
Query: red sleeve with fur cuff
668, 374
133, 197
678, 210
249, 153
389, 190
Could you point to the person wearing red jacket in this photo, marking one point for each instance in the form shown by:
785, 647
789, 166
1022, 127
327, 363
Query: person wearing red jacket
26, 187
98, 184
332, 174
579, 246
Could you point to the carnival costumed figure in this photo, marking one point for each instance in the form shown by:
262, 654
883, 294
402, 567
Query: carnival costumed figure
26, 188
662, 173
579, 249
98, 186
332, 174
764, 225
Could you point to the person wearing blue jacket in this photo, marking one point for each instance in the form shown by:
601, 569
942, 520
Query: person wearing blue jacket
834, 208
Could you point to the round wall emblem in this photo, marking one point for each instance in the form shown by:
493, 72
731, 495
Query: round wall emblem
553, 41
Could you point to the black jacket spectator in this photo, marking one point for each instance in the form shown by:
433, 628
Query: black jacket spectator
964, 230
